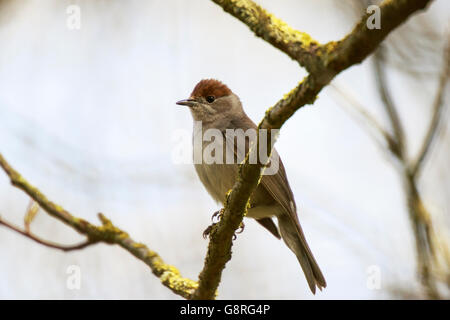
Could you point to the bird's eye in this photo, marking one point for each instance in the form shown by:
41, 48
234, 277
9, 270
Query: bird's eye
210, 99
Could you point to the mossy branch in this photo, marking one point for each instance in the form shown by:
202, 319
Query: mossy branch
106, 233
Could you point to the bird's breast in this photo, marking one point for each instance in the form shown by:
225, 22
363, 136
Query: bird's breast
209, 155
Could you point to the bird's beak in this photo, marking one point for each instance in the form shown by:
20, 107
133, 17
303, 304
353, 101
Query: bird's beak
187, 102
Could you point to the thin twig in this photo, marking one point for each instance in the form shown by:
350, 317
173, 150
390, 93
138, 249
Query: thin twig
49, 244
438, 109
398, 147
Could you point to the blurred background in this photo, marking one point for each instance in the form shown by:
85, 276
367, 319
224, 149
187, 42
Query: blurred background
88, 115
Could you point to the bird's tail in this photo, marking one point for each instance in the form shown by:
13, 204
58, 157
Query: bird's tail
293, 236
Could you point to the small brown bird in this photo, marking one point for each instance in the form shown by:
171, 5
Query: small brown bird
217, 107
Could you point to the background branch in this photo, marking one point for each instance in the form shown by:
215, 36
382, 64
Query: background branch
49, 244
421, 222
437, 109
398, 143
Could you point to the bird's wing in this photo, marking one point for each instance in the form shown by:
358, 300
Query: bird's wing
277, 184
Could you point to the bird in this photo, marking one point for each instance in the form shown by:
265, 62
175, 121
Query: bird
216, 107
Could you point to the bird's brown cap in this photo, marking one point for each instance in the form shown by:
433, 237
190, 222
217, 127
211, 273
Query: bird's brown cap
210, 87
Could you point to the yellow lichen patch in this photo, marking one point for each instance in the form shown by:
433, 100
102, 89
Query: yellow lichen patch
293, 92
227, 197
139, 245
178, 284
172, 278
58, 208
287, 33
18, 178
247, 206
110, 231
268, 111
265, 24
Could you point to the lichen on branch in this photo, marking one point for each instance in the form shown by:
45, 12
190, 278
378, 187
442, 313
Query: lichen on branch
106, 233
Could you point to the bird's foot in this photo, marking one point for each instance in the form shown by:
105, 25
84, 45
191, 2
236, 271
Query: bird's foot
215, 218
217, 215
208, 230
239, 230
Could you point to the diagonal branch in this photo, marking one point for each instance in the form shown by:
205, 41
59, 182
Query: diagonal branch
437, 107
399, 146
107, 233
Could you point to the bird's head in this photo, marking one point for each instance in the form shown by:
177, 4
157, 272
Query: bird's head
211, 100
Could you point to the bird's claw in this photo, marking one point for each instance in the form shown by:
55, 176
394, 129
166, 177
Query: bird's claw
214, 218
217, 216
208, 230
239, 230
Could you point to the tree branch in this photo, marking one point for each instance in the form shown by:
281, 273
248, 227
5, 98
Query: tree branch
107, 233
437, 107
398, 147
49, 244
